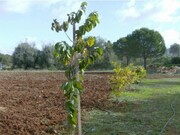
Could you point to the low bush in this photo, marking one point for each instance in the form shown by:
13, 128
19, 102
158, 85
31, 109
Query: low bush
141, 73
123, 77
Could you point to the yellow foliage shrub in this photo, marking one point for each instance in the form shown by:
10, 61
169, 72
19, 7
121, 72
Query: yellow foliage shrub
123, 77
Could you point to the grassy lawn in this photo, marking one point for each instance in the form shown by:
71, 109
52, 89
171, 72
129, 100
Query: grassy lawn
144, 111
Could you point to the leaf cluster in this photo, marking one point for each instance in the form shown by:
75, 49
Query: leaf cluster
123, 77
89, 24
73, 17
77, 57
72, 87
141, 73
71, 90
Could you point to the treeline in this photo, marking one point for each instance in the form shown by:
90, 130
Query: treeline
27, 56
6, 60
142, 47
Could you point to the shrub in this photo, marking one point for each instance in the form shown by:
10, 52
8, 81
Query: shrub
141, 73
123, 77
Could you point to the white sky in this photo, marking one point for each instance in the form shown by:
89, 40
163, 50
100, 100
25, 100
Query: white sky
31, 20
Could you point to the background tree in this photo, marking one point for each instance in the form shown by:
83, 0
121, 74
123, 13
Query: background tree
6, 60
76, 58
125, 47
39, 63
150, 43
24, 56
45, 58
108, 55
48, 57
174, 50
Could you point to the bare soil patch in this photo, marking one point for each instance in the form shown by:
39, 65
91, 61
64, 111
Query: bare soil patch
31, 102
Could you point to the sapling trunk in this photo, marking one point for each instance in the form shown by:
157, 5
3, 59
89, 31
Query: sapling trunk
77, 79
78, 99
79, 116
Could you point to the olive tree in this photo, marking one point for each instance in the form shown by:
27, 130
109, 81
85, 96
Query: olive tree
76, 58
5, 59
24, 56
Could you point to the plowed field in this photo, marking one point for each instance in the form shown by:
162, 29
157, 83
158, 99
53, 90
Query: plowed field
31, 102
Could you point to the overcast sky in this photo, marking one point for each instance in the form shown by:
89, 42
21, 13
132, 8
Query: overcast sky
30, 20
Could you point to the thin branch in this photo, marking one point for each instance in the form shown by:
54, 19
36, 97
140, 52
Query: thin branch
68, 37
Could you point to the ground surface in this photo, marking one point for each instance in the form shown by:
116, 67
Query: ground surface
31, 102
150, 108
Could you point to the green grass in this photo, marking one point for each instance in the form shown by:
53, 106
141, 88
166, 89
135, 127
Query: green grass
143, 111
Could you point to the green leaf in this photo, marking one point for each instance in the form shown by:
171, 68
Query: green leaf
78, 16
56, 26
67, 73
69, 106
65, 26
78, 85
64, 52
91, 58
90, 41
83, 6
99, 50
79, 46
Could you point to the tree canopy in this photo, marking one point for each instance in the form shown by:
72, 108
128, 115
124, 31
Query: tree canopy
149, 43
6, 59
46, 56
124, 47
24, 56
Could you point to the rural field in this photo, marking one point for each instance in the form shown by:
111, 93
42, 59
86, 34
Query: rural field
31, 103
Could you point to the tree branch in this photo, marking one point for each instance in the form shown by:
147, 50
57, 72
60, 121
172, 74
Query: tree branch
68, 37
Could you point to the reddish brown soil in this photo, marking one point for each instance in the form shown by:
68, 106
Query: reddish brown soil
30, 102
